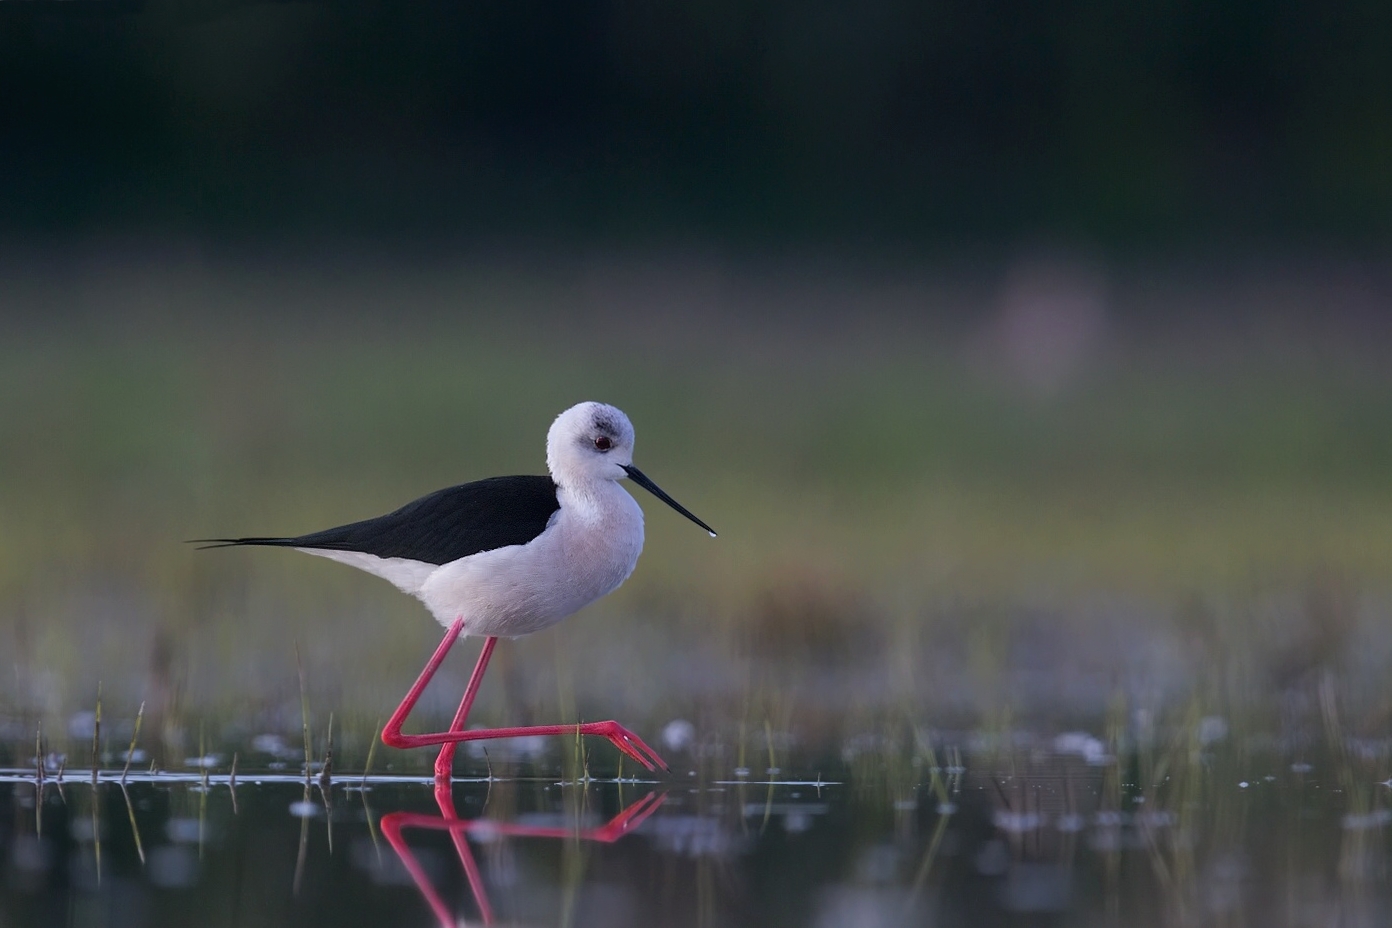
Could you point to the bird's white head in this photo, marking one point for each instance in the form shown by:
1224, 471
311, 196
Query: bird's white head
589, 442
592, 442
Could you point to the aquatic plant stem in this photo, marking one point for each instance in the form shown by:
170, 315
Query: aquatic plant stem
304, 715
130, 751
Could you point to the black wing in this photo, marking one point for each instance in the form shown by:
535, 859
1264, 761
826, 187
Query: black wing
441, 527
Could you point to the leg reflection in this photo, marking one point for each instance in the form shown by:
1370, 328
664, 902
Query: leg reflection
395, 823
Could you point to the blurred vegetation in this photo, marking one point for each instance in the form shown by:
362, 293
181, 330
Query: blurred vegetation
763, 121
911, 514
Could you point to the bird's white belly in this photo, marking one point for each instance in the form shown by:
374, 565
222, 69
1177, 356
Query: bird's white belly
524, 588
405, 574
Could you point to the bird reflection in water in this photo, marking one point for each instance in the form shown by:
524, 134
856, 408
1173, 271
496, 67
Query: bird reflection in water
395, 824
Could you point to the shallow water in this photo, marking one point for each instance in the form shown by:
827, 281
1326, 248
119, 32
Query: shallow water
1108, 653
1054, 831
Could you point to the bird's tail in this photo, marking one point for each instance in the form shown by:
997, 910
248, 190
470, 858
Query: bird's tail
205, 543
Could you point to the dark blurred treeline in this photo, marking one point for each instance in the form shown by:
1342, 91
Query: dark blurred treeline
766, 120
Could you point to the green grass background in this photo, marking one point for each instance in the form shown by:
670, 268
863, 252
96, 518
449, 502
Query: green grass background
890, 495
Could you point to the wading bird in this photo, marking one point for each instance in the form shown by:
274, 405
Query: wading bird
508, 556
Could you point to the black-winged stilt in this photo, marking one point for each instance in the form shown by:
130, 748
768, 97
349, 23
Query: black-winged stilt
508, 556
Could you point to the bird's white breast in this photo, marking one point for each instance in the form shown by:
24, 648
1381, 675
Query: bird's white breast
589, 548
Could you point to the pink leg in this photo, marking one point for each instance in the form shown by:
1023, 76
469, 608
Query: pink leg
444, 763
608, 833
444, 798
392, 826
391, 734
623, 739
395, 823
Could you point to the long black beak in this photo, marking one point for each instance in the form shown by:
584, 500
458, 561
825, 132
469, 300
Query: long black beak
642, 480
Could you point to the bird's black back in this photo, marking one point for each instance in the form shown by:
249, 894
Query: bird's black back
443, 526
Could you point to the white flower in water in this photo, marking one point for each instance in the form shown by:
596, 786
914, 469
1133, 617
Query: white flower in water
679, 735
1212, 729
183, 830
1368, 821
1018, 822
1071, 822
1084, 745
82, 725
270, 744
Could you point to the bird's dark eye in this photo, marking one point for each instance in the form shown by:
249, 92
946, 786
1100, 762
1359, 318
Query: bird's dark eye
603, 443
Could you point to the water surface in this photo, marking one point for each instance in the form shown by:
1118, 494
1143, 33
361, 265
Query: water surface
982, 829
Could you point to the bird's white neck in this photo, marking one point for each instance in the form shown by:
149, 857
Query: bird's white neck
595, 501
